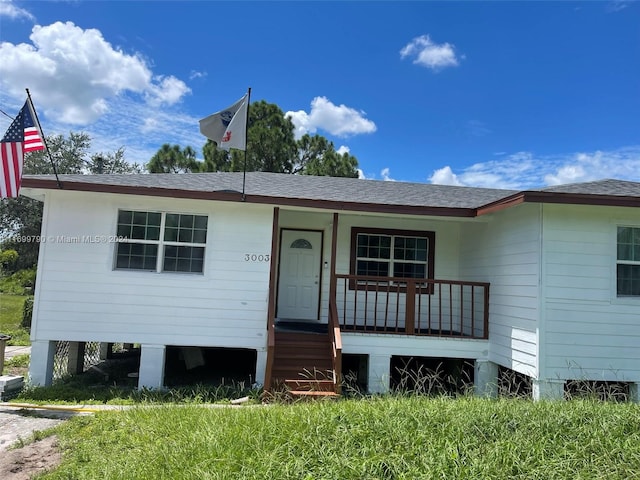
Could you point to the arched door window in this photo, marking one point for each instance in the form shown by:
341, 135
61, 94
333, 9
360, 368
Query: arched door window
301, 243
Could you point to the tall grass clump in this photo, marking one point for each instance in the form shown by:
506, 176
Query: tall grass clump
387, 437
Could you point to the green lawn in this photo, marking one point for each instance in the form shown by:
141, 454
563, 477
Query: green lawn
380, 438
11, 317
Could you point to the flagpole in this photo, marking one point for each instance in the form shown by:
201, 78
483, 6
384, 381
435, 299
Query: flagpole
44, 140
246, 145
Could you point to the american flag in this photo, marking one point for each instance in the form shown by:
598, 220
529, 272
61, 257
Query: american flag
22, 136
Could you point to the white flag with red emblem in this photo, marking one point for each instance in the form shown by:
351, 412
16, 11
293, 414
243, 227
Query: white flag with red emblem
228, 127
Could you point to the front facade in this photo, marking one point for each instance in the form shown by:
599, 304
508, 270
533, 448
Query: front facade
545, 283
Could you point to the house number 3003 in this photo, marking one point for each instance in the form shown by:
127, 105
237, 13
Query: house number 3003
252, 257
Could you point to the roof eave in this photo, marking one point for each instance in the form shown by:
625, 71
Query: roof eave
559, 198
227, 196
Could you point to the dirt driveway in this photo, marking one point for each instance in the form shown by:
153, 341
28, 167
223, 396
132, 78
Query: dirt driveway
19, 424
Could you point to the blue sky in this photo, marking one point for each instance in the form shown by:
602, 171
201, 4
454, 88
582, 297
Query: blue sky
493, 94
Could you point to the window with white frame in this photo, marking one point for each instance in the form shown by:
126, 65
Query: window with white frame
392, 253
162, 242
628, 262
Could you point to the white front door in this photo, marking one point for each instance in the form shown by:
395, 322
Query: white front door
299, 283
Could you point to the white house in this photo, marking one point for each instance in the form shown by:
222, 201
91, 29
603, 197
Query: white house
545, 282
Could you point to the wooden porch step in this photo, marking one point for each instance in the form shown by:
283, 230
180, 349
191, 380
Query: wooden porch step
294, 373
302, 364
310, 385
312, 394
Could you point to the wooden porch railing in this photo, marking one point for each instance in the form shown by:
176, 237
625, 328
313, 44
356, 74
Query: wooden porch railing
444, 308
336, 345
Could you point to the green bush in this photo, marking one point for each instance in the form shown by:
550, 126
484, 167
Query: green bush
27, 313
21, 282
8, 260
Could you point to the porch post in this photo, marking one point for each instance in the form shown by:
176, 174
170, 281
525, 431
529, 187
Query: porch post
410, 309
485, 379
379, 375
75, 363
105, 350
261, 365
548, 389
634, 392
334, 249
41, 364
152, 359
271, 313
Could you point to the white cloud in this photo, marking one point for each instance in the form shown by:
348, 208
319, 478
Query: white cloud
361, 174
617, 5
8, 9
444, 176
431, 55
343, 149
75, 74
385, 173
196, 74
338, 120
524, 170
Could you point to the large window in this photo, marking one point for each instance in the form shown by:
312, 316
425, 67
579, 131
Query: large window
391, 253
163, 242
628, 262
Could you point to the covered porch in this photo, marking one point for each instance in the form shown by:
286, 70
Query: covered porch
352, 288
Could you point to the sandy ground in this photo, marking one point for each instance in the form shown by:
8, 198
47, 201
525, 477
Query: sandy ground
17, 426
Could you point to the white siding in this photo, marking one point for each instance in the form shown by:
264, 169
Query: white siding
589, 332
81, 297
504, 251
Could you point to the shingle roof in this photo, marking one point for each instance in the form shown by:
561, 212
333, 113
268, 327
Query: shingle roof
308, 187
600, 187
343, 193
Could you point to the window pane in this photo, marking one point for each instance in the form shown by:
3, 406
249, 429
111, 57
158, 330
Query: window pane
625, 235
140, 218
624, 252
409, 270
125, 216
171, 234
201, 222
186, 221
410, 248
136, 256
301, 243
185, 236
153, 233
124, 231
138, 232
372, 268
373, 246
169, 264
138, 225
200, 236
172, 220
629, 244
629, 280
183, 259
153, 219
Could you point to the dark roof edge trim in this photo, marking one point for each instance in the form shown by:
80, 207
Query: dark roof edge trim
559, 198
258, 199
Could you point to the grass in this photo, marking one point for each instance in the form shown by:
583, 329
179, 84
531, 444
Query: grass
18, 365
380, 438
10, 318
